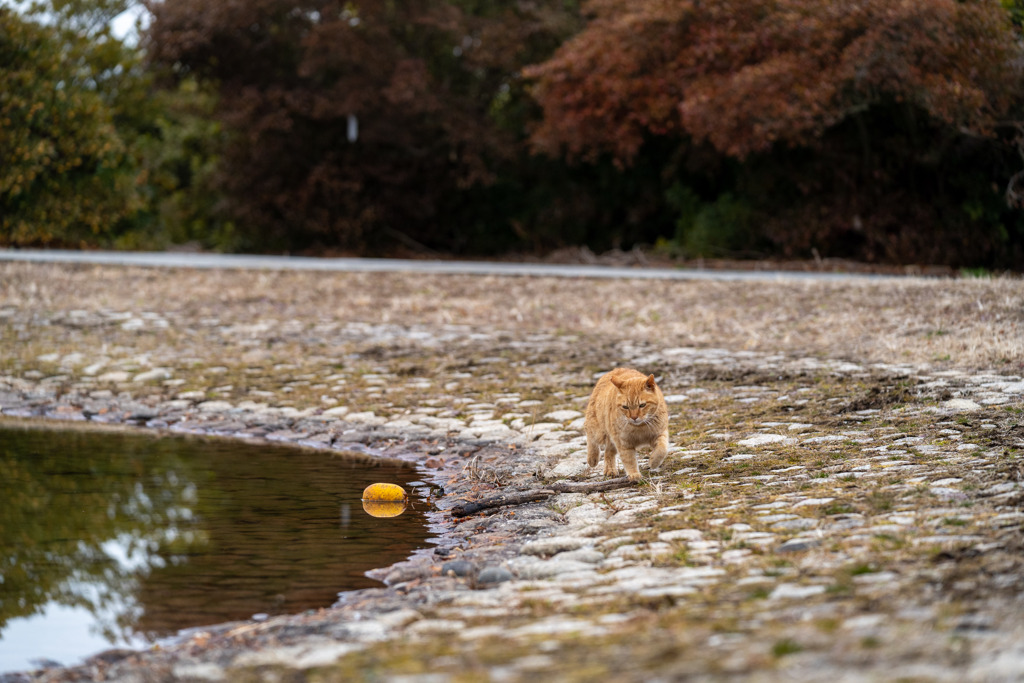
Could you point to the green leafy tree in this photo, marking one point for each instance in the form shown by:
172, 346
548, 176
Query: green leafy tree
66, 175
99, 154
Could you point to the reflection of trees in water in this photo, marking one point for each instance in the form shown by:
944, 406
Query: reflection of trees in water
282, 537
85, 516
155, 535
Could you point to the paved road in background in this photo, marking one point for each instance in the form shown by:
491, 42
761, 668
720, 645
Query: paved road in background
367, 265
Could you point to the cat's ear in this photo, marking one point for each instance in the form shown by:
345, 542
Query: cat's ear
650, 383
617, 382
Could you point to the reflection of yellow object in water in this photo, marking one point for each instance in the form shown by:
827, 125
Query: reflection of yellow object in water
385, 492
384, 508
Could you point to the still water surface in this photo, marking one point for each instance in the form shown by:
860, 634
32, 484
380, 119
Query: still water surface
113, 539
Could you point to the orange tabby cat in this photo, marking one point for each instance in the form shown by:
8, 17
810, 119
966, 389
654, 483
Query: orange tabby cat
626, 410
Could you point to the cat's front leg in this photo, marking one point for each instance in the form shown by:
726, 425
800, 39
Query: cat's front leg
629, 462
610, 468
593, 451
660, 451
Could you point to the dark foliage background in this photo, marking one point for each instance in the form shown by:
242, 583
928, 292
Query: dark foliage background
875, 130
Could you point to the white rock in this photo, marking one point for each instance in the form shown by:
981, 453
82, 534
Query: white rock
156, 374
433, 626
588, 513
762, 439
681, 535
794, 591
552, 545
215, 406
94, 368
563, 415
570, 467
642, 552
588, 555
367, 417
298, 656
823, 439
532, 568
115, 376
961, 405
812, 502
337, 411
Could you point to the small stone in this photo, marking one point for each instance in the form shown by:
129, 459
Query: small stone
961, 405
762, 440
493, 575
798, 545
460, 568
681, 535
809, 502
588, 555
795, 524
793, 591
115, 376
544, 569
552, 545
646, 551
215, 406
367, 417
336, 412
93, 369
946, 493
404, 574
154, 375
563, 415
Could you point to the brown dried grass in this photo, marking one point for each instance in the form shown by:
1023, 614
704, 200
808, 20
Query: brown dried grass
955, 323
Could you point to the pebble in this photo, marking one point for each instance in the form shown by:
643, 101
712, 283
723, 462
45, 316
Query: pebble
789, 591
961, 405
563, 415
798, 545
763, 440
461, 568
493, 575
552, 545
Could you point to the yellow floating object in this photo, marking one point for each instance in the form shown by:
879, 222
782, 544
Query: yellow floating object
385, 493
384, 508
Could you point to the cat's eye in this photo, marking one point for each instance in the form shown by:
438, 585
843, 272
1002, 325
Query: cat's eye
625, 407
643, 405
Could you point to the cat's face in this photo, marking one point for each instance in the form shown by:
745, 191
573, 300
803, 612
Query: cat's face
637, 401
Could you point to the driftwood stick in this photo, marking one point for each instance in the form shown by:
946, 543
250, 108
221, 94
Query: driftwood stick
500, 500
591, 487
533, 495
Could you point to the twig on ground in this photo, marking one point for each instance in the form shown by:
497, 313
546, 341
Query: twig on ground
533, 495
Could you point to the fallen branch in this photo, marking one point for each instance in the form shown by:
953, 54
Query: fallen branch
533, 495
591, 487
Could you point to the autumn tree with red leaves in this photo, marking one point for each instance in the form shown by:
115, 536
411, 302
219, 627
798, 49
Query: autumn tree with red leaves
861, 115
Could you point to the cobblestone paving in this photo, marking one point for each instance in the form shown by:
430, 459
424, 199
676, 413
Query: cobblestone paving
821, 515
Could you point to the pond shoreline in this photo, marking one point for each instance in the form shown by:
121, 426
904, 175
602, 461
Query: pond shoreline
841, 499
